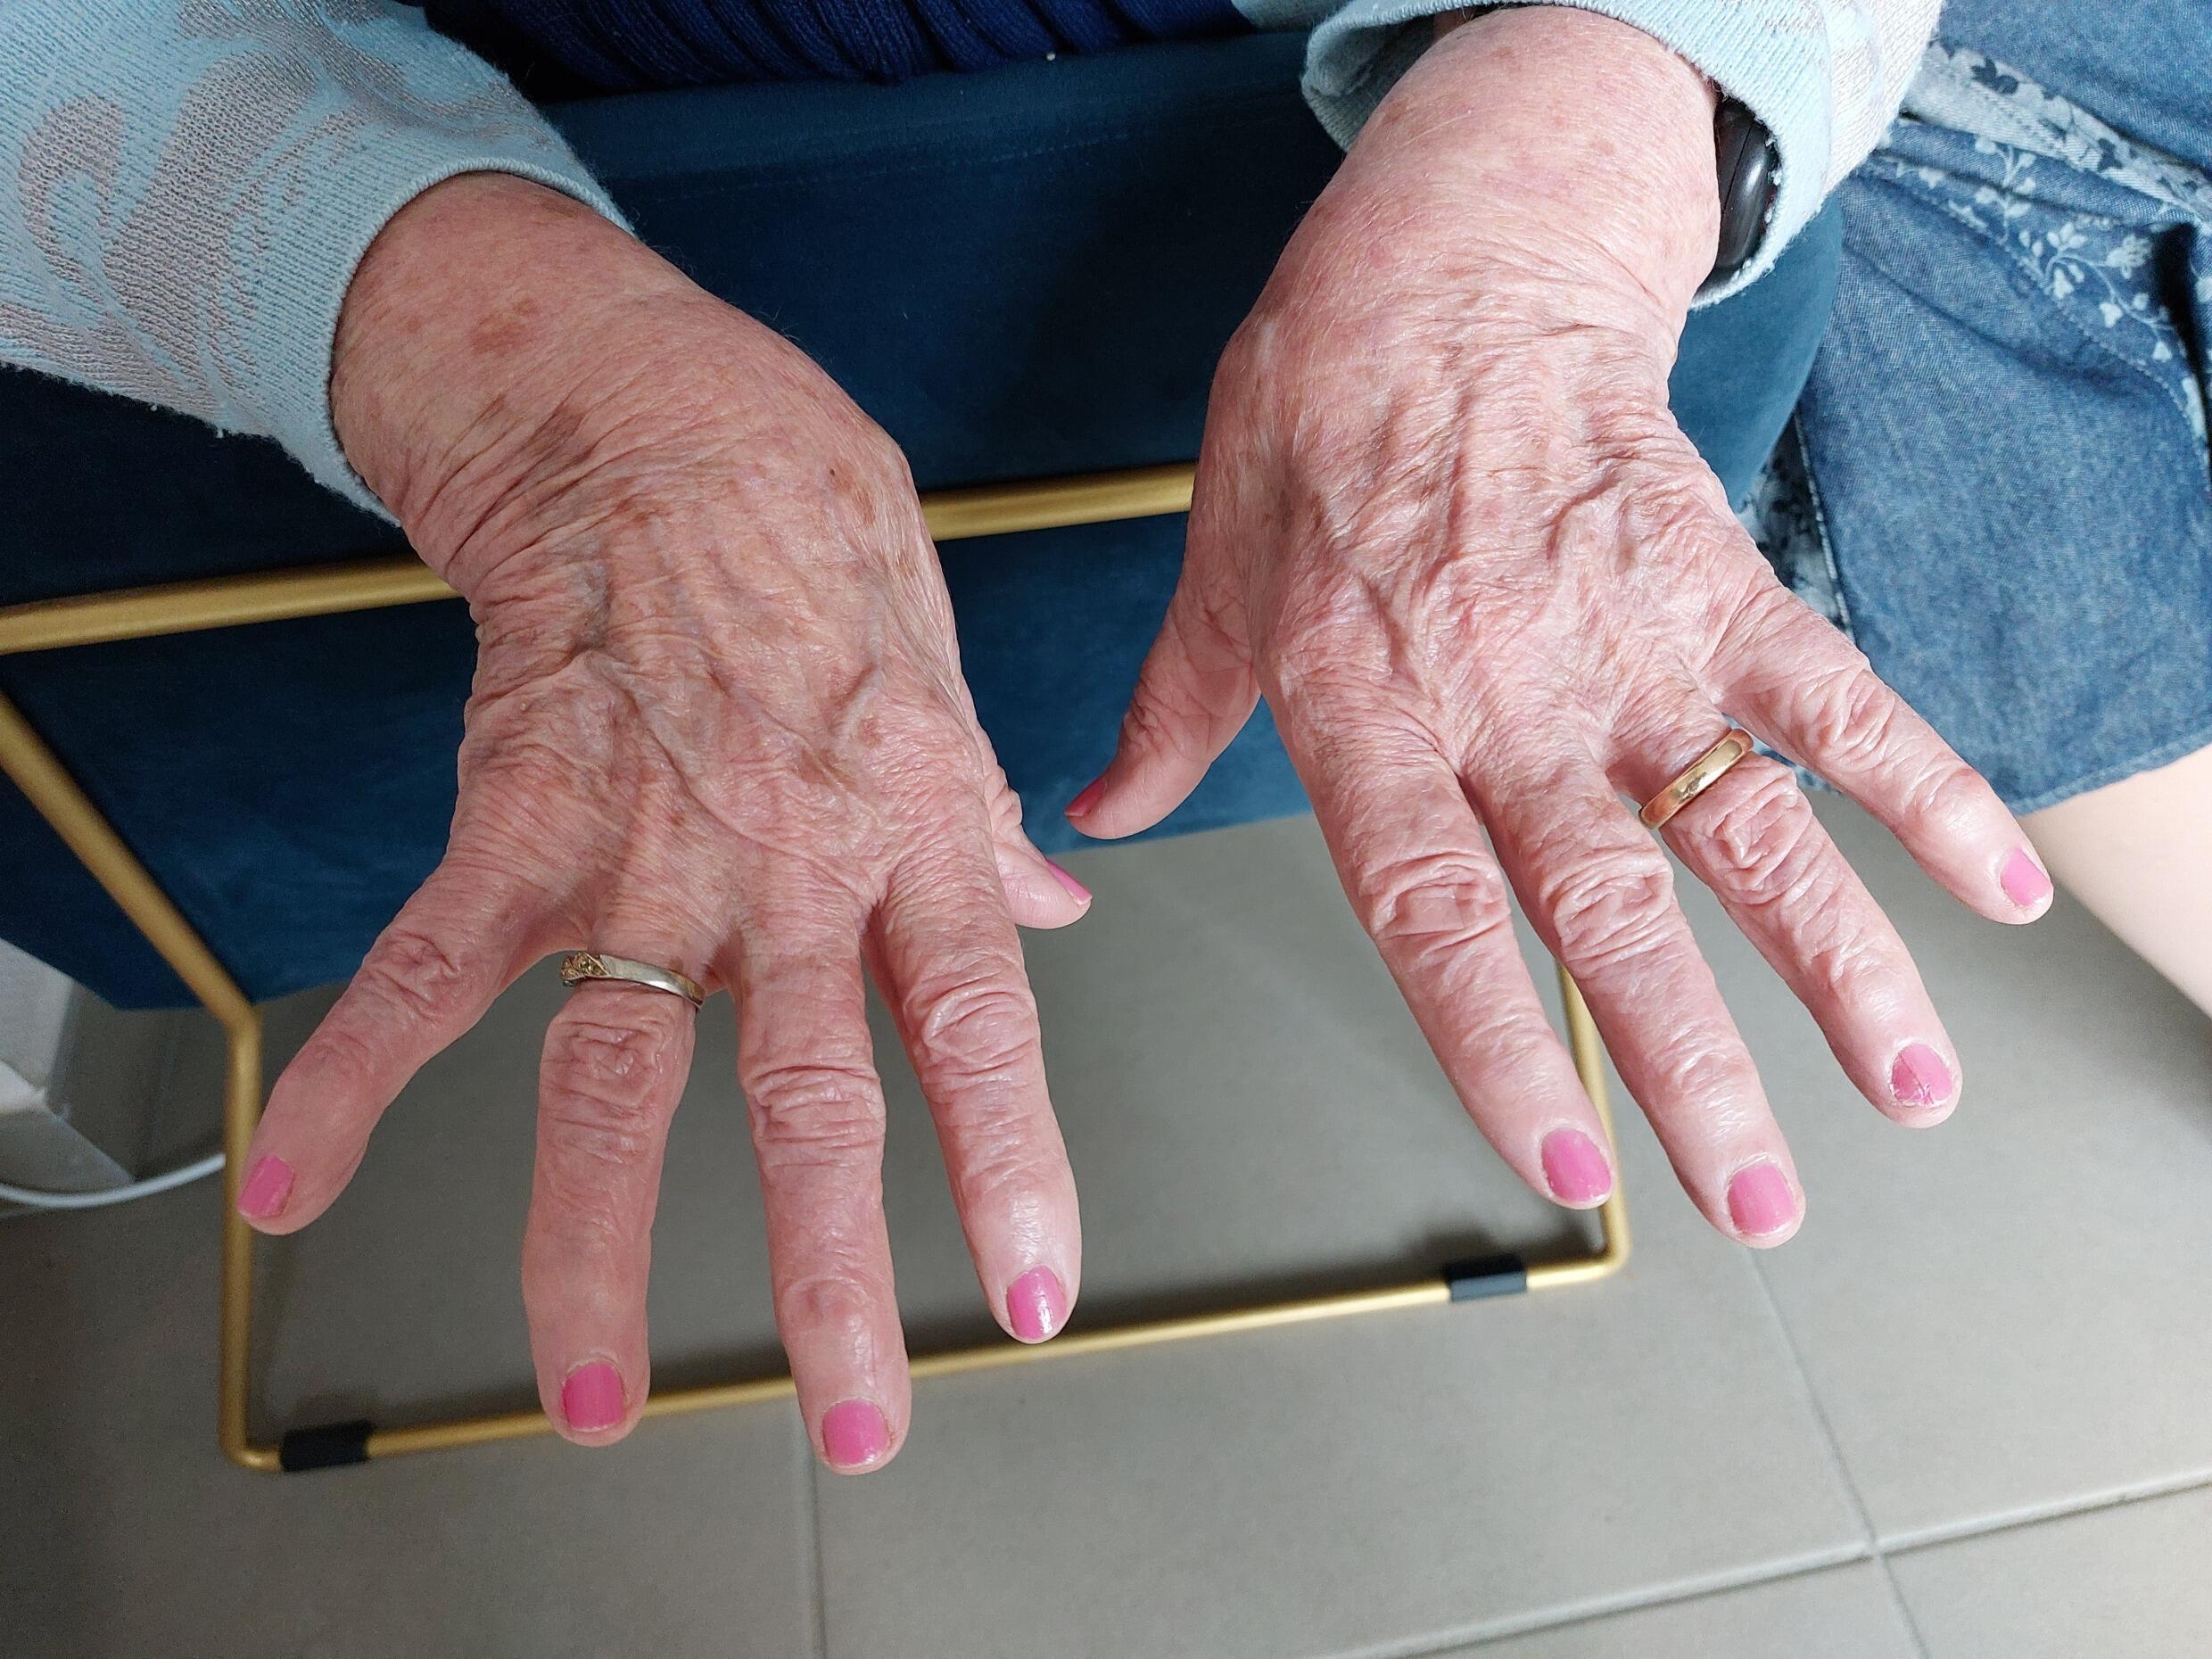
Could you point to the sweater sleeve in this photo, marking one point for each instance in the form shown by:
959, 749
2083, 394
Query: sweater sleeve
1826, 77
187, 187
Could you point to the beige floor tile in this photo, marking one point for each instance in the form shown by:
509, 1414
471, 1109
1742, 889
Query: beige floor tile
2002, 1314
2125, 1582
1247, 1103
1840, 1612
128, 1535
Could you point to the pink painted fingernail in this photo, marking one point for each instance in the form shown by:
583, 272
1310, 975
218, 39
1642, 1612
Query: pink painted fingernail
267, 1184
1035, 1305
592, 1398
1575, 1170
1760, 1201
2024, 880
1087, 798
853, 1436
1919, 1077
1075, 888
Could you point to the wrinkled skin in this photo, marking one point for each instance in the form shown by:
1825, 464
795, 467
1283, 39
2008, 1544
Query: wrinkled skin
1444, 523
718, 724
1447, 524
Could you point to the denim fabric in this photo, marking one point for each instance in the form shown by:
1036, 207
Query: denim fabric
2004, 435
1025, 271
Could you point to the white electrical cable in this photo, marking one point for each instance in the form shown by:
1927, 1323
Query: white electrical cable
146, 1188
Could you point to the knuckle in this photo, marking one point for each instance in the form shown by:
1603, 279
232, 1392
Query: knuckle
832, 1305
605, 1088
1609, 905
1849, 715
814, 1113
345, 1055
412, 975
1164, 717
1945, 796
1696, 1071
1764, 838
976, 1024
1432, 903
1002, 1173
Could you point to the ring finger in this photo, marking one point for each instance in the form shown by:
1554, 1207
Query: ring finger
615, 1060
1753, 840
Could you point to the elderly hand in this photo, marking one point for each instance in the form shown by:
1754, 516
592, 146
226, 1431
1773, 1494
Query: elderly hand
1446, 522
718, 725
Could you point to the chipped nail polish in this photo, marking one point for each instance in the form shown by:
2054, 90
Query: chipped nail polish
1575, 1170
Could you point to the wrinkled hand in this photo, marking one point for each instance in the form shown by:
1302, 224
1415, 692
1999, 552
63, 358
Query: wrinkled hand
718, 724
1446, 522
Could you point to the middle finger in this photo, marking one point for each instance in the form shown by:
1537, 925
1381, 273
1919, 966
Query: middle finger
806, 1064
1599, 891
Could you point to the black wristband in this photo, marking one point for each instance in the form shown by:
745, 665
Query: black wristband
1750, 173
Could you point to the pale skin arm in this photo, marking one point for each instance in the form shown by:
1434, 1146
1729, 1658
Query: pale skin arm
2135, 852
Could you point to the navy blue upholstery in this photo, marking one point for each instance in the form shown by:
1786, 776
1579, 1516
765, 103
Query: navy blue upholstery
1021, 272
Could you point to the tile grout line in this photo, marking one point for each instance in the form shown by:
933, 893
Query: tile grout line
1873, 1540
2040, 1514
1592, 1612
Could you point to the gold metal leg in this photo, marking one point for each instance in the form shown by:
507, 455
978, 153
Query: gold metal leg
25, 757
186, 606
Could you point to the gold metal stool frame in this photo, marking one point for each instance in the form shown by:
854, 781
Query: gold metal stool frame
220, 602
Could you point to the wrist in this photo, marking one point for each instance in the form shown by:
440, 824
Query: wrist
1584, 146
475, 349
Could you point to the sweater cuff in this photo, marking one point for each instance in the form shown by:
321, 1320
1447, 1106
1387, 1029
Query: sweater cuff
322, 241
325, 240
1771, 56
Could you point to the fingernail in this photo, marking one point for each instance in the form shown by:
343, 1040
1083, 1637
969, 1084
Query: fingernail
1575, 1170
1076, 889
853, 1436
1919, 1077
1087, 798
592, 1398
267, 1184
2024, 880
1035, 1305
1760, 1201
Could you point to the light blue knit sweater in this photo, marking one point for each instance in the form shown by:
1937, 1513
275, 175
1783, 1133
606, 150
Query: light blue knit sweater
186, 186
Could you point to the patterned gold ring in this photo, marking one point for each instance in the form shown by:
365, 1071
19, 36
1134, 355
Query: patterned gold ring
581, 967
1694, 779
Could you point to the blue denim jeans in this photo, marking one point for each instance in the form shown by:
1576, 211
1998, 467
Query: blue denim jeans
2003, 442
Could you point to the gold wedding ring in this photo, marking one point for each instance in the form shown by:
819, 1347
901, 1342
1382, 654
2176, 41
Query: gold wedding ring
1694, 779
579, 967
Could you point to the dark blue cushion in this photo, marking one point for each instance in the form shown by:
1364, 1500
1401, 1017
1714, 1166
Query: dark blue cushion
1020, 272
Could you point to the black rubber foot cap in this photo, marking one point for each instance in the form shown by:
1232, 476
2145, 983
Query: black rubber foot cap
1486, 1275
326, 1446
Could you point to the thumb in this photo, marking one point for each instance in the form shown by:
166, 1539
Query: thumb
1194, 693
1039, 893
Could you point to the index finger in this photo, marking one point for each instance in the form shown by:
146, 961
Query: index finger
453, 947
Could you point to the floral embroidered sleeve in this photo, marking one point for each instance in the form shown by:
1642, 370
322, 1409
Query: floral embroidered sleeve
186, 187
